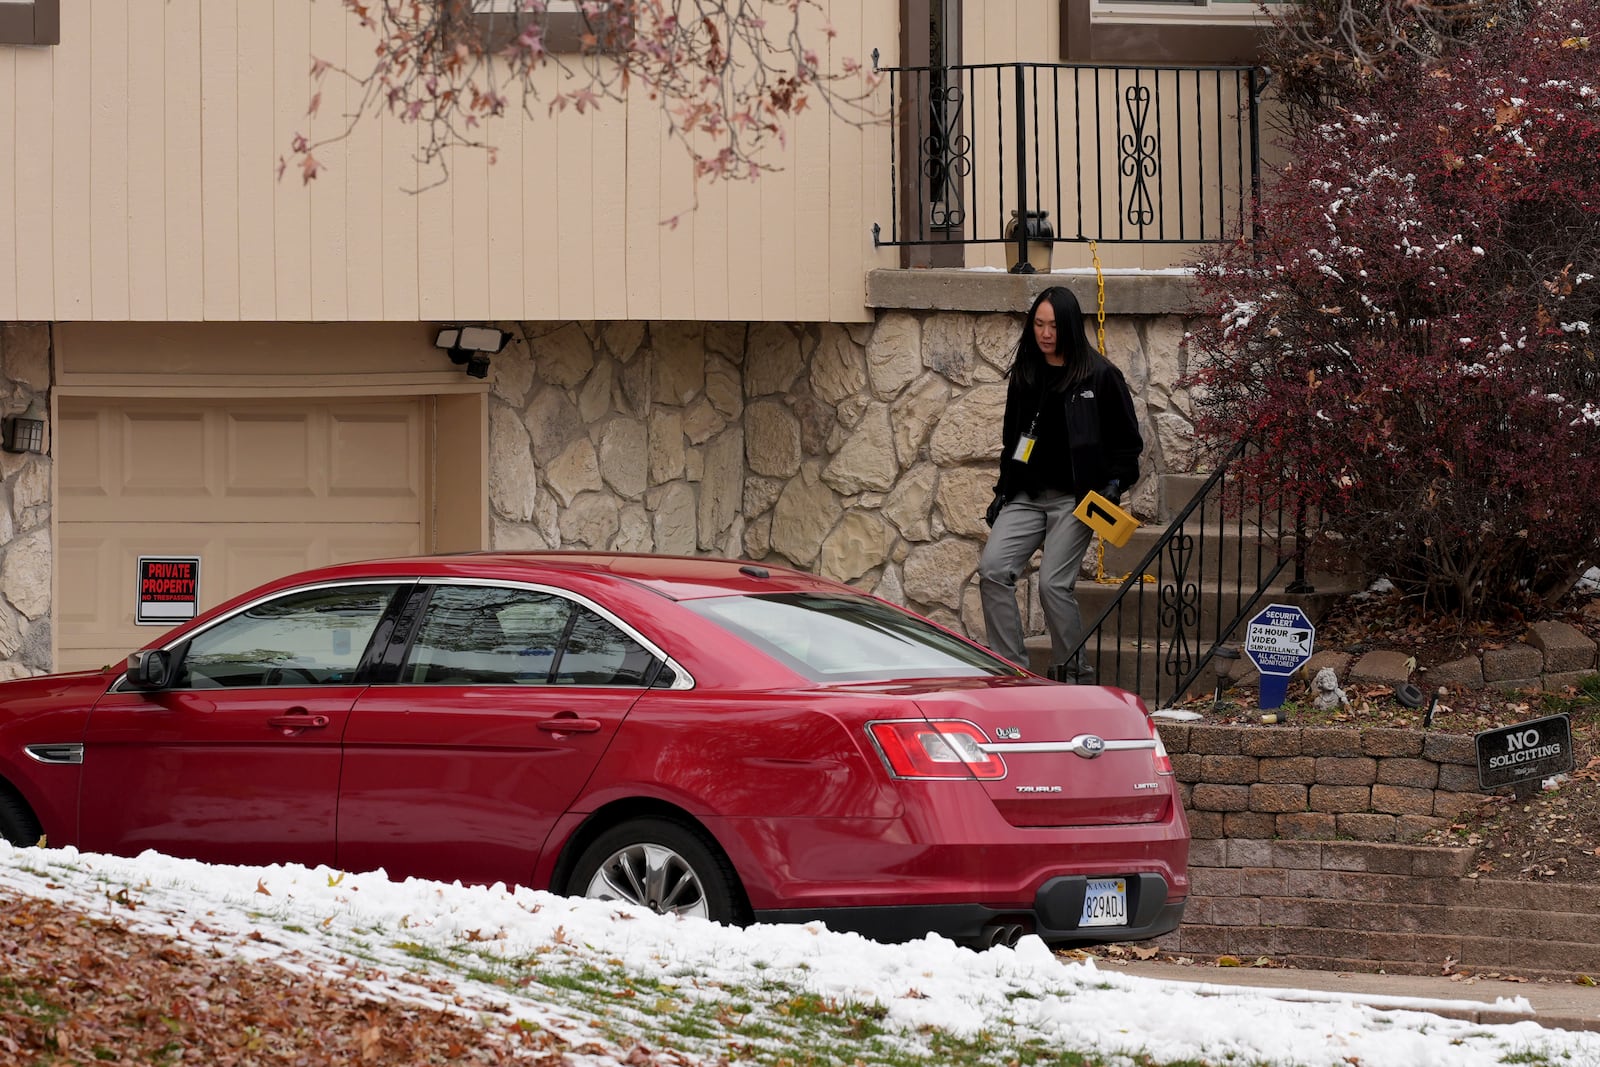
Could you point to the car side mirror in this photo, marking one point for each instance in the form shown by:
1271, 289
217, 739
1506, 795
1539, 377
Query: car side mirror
148, 669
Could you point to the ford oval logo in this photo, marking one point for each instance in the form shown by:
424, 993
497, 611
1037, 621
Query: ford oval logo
1091, 743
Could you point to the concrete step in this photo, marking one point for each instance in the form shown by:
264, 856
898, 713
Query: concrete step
1206, 552
1133, 648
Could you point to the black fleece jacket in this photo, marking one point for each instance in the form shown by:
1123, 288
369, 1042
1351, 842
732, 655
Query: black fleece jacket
1102, 430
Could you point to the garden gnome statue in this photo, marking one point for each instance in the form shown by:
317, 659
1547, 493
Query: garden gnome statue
1325, 684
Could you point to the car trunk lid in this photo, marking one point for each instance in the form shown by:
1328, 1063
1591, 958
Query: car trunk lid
1074, 755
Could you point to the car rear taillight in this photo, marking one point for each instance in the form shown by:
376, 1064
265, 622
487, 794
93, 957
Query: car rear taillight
939, 749
1163, 761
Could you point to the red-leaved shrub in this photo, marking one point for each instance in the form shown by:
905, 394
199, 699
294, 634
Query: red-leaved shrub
1412, 333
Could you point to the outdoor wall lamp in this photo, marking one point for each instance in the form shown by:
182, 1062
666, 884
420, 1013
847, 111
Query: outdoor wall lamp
25, 432
1035, 240
472, 346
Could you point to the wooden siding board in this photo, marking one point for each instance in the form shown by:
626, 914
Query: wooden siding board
858, 168
185, 253
108, 166
809, 192
608, 235
330, 299
506, 248
646, 270
541, 207
674, 200
9, 203
435, 220
257, 106
219, 156
574, 223
746, 232
73, 155
401, 280
147, 162
469, 237
291, 200
365, 262
710, 219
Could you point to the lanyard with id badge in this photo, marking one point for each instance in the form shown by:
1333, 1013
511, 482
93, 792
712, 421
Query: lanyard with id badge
1024, 450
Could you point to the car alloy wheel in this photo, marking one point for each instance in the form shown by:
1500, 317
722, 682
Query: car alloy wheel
650, 875
662, 865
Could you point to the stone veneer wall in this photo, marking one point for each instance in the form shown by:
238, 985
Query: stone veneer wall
25, 558
866, 453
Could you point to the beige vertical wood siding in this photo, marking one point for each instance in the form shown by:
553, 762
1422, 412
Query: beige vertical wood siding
137, 183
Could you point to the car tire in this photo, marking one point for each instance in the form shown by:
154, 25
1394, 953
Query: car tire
666, 866
17, 824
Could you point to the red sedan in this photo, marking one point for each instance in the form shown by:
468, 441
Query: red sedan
708, 737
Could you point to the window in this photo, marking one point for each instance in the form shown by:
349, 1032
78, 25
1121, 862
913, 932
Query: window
313, 637
485, 635
1161, 31
30, 22
840, 638
562, 25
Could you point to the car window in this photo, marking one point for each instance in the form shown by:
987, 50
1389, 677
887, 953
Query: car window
483, 635
315, 637
486, 635
847, 638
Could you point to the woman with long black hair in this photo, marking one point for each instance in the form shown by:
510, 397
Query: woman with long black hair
1069, 429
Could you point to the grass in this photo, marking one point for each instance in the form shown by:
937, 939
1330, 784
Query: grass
757, 1014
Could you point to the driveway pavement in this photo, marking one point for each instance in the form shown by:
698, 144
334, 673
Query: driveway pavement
1558, 1005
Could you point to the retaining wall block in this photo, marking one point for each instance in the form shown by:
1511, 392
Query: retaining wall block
1277, 798
1271, 743
1305, 826
1391, 742
1365, 826
1248, 824
1288, 769
1338, 799
1400, 770
1329, 741
1230, 770
1346, 770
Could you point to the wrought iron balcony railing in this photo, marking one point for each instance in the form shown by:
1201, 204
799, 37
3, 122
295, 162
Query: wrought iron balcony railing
1109, 153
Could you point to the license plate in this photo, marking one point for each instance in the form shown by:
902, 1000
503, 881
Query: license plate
1105, 903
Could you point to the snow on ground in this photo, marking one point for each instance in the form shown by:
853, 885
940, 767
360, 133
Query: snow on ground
396, 934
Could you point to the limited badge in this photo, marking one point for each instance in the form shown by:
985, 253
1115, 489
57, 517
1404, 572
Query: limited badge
1024, 450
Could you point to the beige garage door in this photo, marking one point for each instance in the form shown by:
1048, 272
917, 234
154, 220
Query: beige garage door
254, 488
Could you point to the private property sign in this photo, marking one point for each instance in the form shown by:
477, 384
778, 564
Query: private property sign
1534, 749
169, 589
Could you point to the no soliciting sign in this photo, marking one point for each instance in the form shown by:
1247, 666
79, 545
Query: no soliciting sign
169, 589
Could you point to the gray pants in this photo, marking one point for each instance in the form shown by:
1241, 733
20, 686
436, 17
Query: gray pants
1025, 523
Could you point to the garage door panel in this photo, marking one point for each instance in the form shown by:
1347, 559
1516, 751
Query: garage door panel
82, 568
270, 455
367, 450
82, 468
163, 454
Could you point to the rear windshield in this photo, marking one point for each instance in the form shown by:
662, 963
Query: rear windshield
845, 638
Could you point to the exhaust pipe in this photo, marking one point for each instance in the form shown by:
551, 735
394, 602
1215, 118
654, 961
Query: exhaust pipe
1005, 935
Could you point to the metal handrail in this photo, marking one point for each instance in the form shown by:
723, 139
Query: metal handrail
1180, 561
1105, 153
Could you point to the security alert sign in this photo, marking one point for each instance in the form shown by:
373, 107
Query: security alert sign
169, 589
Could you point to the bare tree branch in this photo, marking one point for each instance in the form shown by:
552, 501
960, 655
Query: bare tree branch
730, 75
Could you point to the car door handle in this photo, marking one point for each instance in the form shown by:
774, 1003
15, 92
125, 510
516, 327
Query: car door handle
569, 724
298, 721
